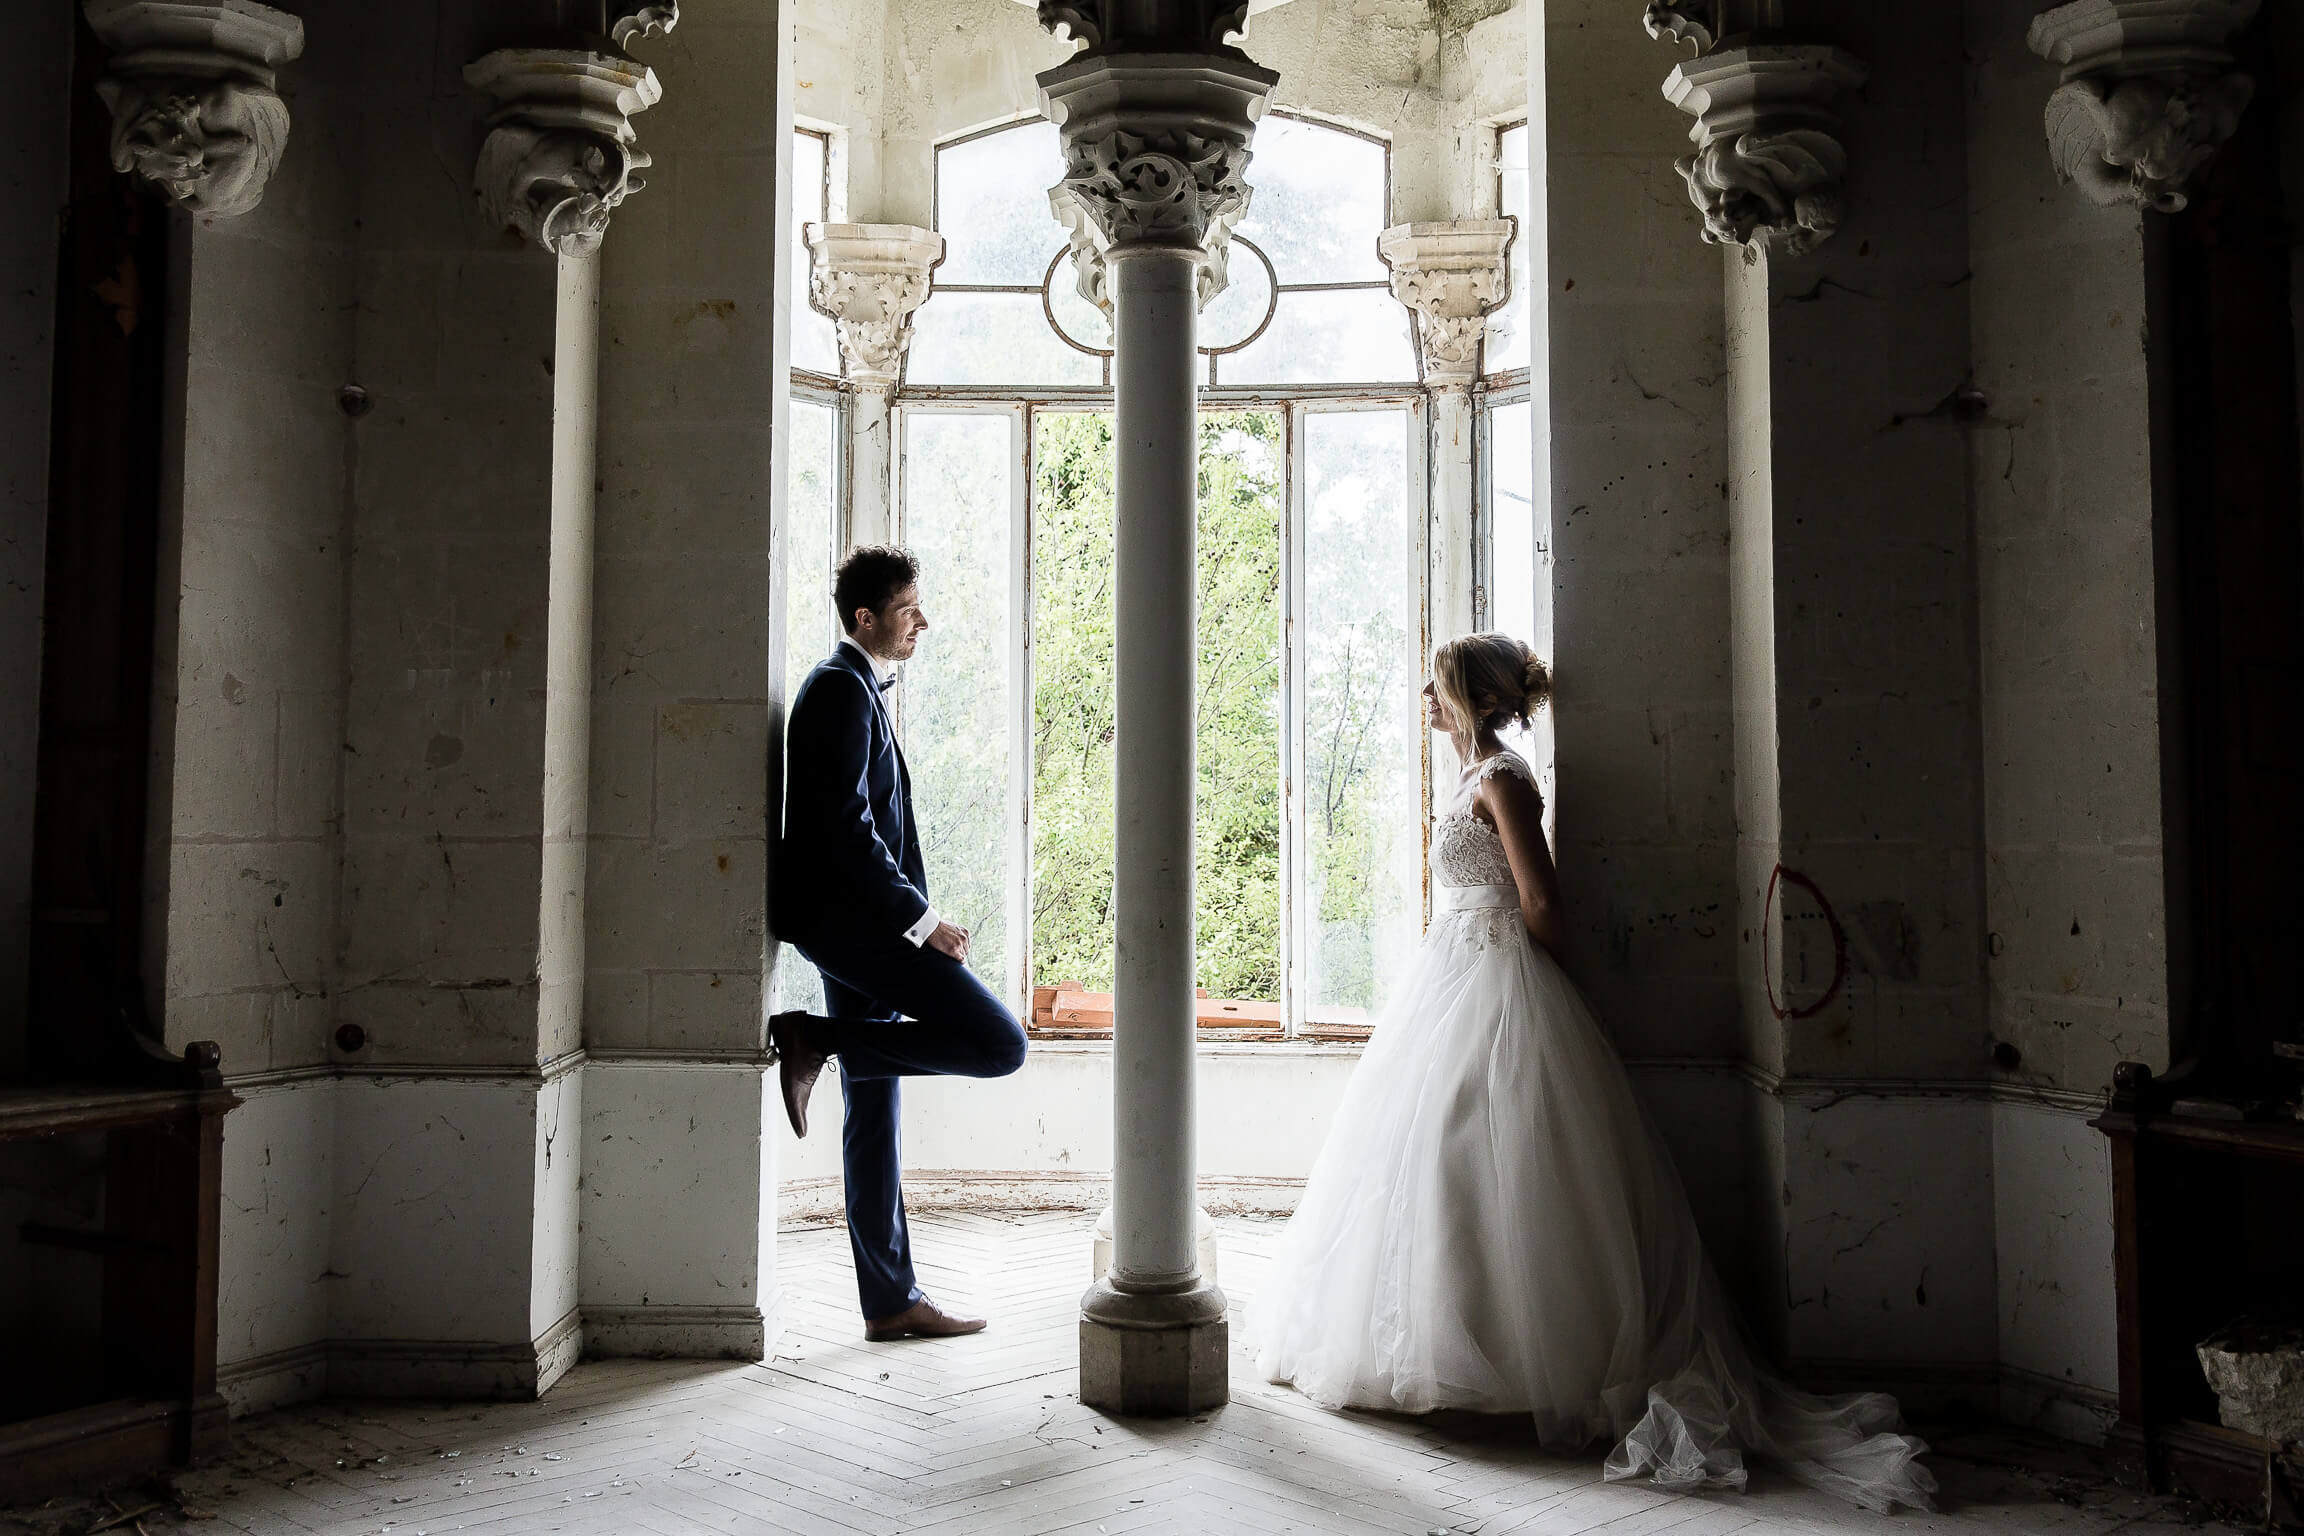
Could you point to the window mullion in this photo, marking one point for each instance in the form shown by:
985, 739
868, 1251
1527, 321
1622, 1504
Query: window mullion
1020, 716
1296, 917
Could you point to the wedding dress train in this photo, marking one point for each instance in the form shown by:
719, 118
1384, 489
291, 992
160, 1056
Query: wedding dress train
1493, 1224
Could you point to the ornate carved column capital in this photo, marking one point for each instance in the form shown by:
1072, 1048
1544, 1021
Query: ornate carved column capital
870, 278
1452, 275
2148, 93
559, 154
1155, 147
1769, 163
190, 86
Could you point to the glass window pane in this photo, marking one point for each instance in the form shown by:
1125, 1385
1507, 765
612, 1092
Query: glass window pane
815, 345
1507, 327
993, 338
1072, 699
1237, 879
1348, 336
812, 514
1363, 722
1512, 522
958, 691
1316, 203
992, 205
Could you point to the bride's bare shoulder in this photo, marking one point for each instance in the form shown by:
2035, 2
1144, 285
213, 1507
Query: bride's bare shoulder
1504, 777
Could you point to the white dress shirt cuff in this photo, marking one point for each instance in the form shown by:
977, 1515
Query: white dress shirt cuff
917, 934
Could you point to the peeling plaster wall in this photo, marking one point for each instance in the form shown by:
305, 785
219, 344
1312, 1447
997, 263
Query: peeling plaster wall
1383, 66
1645, 816
2075, 854
950, 66
36, 124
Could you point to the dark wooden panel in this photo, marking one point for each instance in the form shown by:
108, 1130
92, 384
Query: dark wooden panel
96, 655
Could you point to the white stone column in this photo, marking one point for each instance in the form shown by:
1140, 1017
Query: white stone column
870, 278
1155, 144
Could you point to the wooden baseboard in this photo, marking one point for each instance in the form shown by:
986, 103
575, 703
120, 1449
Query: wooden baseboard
2227, 1467
104, 1442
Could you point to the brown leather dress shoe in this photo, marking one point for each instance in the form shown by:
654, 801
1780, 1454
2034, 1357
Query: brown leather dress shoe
921, 1320
799, 1060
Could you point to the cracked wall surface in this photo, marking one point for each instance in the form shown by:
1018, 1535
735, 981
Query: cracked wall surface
1639, 540
687, 713
444, 735
2060, 479
2062, 485
250, 650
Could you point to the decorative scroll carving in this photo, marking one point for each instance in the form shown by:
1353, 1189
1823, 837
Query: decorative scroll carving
1452, 276
870, 278
631, 20
559, 155
1155, 151
2148, 94
190, 87
1769, 165
1194, 24
1675, 21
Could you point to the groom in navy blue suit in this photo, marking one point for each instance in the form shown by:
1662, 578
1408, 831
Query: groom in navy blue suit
850, 892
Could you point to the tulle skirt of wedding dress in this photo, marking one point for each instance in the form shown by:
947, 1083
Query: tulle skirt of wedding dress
1494, 1225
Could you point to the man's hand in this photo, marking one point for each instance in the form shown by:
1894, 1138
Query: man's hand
950, 939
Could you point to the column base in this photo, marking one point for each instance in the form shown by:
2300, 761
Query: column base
1153, 1357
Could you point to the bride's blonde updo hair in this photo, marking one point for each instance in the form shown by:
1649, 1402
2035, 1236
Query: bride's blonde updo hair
1491, 678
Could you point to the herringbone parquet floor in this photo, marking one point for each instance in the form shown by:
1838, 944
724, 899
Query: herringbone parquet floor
984, 1435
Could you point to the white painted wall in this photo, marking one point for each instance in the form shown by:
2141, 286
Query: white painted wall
274, 1279
2052, 1197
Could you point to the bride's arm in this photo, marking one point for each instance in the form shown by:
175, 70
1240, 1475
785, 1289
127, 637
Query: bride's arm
1518, 812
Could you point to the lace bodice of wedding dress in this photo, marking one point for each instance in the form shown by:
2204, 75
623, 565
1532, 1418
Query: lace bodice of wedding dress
1465, 848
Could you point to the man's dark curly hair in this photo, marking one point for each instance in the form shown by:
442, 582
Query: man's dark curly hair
869, 575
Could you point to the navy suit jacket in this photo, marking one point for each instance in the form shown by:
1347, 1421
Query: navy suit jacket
849, 860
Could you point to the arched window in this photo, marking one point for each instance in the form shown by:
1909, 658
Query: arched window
1312, 593
1307, 301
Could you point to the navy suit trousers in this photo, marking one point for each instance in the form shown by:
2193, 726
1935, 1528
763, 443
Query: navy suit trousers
897, 1011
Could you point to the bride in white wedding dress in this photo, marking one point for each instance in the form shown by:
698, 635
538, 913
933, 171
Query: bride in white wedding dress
1493, 1223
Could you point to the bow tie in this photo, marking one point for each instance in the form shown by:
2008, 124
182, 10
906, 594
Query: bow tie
887, 682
